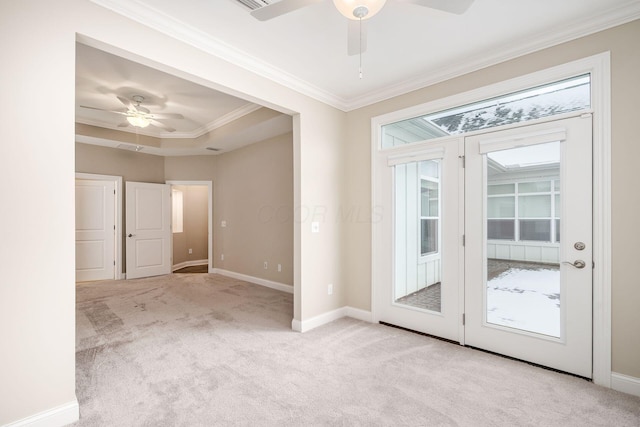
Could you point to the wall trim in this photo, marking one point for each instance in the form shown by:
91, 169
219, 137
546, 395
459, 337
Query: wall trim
625, 383
330, 316
189, 264
359, 314
55, 417
255, 280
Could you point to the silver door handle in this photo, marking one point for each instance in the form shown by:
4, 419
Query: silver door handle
577, 263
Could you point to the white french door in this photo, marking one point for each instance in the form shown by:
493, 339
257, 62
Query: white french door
528, 228
148, 229
495, 251
420, 252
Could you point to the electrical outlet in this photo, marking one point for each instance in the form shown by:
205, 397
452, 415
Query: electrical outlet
223, 224
221, 257
190, 251
330, 289
279, 268
315, 227
266, 265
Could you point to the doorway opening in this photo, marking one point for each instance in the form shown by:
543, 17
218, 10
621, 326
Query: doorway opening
191, 223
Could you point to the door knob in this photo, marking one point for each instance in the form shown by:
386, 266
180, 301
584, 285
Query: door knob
577, 263
131, 235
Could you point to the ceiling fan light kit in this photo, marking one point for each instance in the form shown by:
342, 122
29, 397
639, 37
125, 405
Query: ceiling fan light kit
138, 121
359, 9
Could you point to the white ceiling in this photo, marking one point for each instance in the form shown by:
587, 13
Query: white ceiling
409, 47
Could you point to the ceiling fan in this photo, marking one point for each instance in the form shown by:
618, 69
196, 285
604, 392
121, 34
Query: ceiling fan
139, 116
357, 11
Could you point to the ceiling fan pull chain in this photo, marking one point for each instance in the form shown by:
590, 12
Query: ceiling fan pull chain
360, 70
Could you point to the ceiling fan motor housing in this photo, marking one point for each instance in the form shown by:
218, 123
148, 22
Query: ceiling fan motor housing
359, 9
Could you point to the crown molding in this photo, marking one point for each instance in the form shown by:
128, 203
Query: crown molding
568, 32
153, 18
144, 14
130, 129
217, 123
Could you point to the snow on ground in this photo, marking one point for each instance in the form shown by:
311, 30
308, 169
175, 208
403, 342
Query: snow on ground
527, 299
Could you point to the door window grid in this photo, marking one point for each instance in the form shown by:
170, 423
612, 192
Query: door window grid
429, 208
507, 217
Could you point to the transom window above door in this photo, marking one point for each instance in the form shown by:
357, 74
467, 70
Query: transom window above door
573, 94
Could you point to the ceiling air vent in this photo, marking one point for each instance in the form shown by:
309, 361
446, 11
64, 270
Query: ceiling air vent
255, 4
213, 149
130, 147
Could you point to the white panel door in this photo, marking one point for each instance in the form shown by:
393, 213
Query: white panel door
95, 230
528, 198
419, 251
148, 229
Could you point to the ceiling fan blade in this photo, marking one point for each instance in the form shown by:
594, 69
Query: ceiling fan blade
122, 113
167, 116
452, 6
162, 126
280, 8
94, 108
130, 105
353, 37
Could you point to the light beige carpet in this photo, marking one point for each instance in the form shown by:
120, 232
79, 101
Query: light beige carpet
204, 350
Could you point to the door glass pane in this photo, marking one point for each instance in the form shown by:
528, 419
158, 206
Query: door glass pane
501, 207
534, 187
523, 274
534, 206
418, 257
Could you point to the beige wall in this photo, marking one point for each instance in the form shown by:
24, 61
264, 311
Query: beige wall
39, 80
195, 199
130, 165
253, 193
255, 198
625, 61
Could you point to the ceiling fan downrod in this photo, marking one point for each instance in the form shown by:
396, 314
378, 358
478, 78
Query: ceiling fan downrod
360, 12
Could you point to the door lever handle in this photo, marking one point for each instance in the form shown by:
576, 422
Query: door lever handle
130, 235
577, 263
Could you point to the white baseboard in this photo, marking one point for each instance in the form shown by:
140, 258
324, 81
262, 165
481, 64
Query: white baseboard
56, 417
256, 280
356, 313
625, 383
330, 316
190, 264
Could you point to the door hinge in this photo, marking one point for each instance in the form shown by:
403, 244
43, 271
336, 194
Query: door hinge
463, 319
114, 192
593, 265
463, 240
114, 262
463, 161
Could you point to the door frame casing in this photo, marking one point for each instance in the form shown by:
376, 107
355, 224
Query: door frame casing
209, 185
118, 215
599, 67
